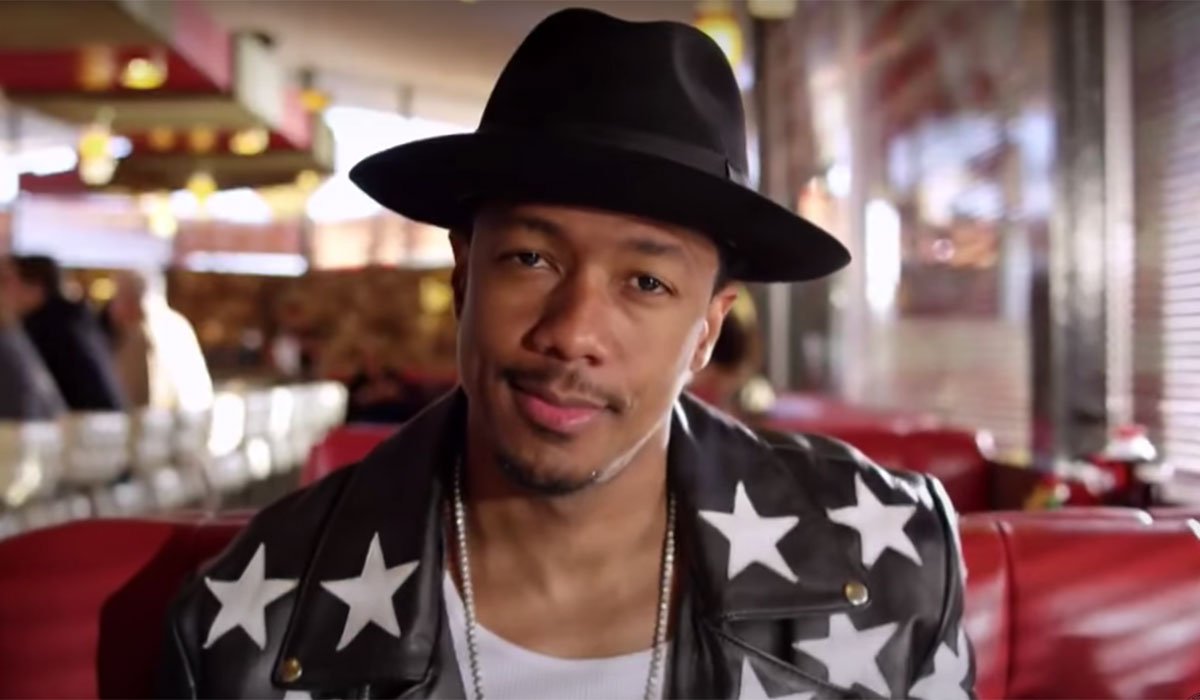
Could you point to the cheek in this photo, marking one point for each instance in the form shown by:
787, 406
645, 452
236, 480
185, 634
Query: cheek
662, 354
494, 318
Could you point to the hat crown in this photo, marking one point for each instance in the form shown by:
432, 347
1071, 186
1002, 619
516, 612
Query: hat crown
584, 70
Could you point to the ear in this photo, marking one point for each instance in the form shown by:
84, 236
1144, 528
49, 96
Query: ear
461, 245
714, 318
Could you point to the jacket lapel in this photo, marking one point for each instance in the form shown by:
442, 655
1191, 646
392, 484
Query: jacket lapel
711, 458
725, 622
393, 498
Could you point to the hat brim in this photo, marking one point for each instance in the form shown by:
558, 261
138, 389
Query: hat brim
439, 181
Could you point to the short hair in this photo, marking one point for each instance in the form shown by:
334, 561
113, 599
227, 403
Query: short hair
41, 271
723, 276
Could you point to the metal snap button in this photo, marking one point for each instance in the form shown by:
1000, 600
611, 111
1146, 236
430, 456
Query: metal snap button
857, 593
290, 670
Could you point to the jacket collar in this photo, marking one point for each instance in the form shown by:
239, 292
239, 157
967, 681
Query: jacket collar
399, 492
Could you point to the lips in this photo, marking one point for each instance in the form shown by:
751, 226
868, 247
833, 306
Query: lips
555, 413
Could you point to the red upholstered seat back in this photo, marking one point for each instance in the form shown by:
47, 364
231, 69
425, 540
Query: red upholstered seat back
989, 615
82, 605
342, 447
955, 458
1104, 609
1057, 607
952, 455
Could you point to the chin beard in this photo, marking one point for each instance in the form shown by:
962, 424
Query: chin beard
528, 479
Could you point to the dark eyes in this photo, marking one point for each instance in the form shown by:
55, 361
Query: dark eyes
646, 284
527, 258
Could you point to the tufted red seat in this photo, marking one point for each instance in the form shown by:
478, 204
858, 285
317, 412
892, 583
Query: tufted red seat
988, 595
81, 605
1059, 605
343, 446
952, 455
1175, 513
1118, 606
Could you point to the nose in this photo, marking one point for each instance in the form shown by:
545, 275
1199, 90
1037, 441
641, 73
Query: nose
575, 322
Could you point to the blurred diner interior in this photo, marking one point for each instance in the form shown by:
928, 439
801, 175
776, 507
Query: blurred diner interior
200, 312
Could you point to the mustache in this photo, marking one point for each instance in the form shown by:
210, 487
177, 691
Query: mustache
570, 381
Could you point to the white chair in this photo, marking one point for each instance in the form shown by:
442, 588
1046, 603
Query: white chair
10, 524
169, 489
30, 461
128, 498
195, 486
319, 407
228, 474
190, 439
284, 435
56, 511
95, 448
151, 437
258, 412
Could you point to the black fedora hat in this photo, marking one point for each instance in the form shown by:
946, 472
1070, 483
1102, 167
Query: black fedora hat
638, 118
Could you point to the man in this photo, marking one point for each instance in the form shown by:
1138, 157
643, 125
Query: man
27, 391
66, 335
567, 525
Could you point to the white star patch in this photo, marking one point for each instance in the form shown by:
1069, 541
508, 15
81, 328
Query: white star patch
950, 669
752, 538
369, 594
244, 601
879, 526
752, 688
849, 654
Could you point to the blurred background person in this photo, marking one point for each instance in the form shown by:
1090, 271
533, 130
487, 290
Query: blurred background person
728, 368
66, 334
27, 391
379, 391
158, 357
736, 360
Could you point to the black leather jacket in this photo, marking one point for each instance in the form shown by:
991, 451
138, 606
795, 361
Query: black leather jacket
873, 606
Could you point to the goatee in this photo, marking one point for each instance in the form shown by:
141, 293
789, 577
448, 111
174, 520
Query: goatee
530, 479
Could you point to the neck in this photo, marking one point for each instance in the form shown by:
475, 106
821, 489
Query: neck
560, 543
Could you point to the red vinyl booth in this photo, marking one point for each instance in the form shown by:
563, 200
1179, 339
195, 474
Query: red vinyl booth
952, 455
1058, 605
916, 442
82, 605
343, 446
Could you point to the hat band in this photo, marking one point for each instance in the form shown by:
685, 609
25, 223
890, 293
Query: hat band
698, 157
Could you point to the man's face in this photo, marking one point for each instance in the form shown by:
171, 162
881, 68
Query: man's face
578, 329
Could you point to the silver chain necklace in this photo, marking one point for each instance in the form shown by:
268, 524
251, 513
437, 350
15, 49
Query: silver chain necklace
468, 593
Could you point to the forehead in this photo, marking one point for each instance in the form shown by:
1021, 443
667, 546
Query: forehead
597, 228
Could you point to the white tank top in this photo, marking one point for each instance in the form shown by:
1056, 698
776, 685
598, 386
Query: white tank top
513, 672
